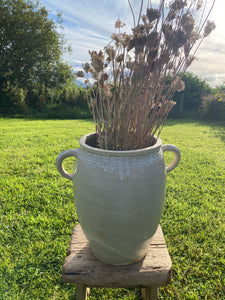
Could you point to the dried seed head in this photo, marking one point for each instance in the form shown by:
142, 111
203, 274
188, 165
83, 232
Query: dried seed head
210, 26
139, 30
104, 76
110, 51
152, 14
144, 19
80, 74
168, 105
148, 26
108, 91
178, 4
92, 70
95, 76
125, 39
97, 61
178, 84
180, 38
116, 38
188, 23
168, 32
119, 24
86, 67
199, 4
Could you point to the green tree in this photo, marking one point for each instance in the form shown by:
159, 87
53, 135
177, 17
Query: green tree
191, 98
30, 53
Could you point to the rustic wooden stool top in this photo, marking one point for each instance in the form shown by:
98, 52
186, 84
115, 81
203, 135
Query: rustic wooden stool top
82, 268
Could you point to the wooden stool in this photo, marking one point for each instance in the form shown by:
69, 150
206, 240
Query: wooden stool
82, 268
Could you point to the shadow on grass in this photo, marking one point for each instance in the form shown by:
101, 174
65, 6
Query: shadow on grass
218, 130
189, 121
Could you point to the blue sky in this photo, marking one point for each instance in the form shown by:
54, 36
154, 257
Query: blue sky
88, 25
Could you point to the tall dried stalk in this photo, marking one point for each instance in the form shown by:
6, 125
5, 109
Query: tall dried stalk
137, 74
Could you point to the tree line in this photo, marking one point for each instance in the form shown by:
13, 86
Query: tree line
34, 80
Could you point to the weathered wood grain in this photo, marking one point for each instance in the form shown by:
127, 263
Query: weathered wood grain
82, 267
149, 293
81, 292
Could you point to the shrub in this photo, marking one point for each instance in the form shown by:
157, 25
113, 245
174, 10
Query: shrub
213, 107
12, 99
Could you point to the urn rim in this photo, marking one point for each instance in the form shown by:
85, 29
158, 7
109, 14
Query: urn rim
88, 139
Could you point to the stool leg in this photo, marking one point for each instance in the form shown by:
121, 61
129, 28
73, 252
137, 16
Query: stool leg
81, 292
149, 293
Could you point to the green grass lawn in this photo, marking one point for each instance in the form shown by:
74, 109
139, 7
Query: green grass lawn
37, 212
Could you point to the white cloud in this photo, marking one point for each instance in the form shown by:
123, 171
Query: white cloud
90, 23
81, 41
210, 63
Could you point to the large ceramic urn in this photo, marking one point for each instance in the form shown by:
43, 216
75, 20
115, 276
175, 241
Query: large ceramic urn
119, 196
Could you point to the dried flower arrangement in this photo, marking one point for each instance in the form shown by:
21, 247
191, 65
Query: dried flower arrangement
137, 74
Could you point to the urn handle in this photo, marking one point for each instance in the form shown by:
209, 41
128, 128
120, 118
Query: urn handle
176, 158
60, 159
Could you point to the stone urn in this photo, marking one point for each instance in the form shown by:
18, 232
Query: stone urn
119, 196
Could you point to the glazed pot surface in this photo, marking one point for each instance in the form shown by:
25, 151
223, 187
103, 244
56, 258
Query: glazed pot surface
119, 198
